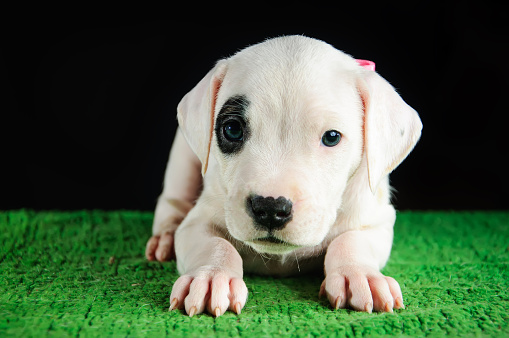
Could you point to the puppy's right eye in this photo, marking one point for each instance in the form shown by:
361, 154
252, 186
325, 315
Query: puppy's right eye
233, 131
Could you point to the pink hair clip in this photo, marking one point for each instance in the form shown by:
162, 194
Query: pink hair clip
369, 65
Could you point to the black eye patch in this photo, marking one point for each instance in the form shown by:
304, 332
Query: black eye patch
232, 129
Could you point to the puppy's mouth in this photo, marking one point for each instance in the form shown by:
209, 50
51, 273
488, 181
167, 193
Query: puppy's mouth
272, 245
270, 239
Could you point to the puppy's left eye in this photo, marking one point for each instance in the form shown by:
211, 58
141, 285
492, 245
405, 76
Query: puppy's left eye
331, 138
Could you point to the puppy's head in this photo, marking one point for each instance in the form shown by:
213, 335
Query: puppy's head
288, 121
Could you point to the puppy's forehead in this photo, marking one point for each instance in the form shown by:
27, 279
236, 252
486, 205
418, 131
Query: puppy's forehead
288, 71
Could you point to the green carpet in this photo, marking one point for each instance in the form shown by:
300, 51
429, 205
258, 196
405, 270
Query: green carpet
84, 274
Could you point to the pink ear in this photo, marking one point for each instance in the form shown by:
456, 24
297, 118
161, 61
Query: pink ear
369, 65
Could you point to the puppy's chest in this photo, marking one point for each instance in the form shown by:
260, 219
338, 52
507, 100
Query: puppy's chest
276, 265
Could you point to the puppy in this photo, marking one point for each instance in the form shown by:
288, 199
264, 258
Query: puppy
280, 166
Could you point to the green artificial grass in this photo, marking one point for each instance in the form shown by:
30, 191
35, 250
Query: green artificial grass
84, 274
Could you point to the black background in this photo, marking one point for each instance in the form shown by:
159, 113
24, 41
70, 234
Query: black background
89, 103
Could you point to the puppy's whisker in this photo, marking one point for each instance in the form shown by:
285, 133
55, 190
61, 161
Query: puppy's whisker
297, 260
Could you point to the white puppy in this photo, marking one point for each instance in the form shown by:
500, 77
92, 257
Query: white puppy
280, 166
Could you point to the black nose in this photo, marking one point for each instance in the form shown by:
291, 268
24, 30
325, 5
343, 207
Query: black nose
269, 213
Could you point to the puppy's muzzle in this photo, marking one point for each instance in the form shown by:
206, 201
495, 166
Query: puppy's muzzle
269, 213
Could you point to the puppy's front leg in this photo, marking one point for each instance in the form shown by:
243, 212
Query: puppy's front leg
352, 269
210, 267
182, 183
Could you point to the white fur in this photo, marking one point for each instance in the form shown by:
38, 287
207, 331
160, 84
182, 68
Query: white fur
298, 88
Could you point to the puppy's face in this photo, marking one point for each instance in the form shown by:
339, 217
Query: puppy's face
287, 138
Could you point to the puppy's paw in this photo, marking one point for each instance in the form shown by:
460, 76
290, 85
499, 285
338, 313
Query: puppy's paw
214, 292
363, 289
161, 247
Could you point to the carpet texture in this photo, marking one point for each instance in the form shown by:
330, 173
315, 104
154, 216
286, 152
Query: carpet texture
84, 274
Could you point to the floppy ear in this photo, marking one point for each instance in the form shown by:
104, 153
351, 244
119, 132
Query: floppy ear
195, 113
391, 127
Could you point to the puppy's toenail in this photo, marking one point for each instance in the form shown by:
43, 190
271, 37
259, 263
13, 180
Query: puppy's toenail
398, 303
237, 308
338, 302
388, 307
192, 311
173, 304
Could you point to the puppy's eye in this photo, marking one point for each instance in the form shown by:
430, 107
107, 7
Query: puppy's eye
331, 138
233, 131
